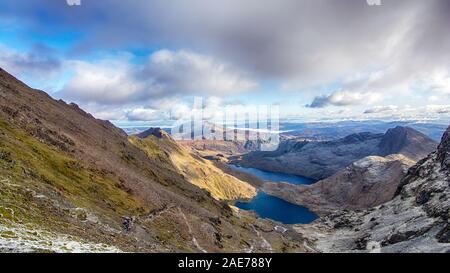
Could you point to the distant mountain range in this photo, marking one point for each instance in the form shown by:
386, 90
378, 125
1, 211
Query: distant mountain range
324, 131
321, 159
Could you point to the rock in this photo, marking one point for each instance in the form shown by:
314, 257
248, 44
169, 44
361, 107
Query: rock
5, 156
127, 223
444, 150
444, 235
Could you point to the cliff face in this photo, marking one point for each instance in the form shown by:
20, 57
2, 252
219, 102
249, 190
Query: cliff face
416, 220
70, 182
320, 160
444, 151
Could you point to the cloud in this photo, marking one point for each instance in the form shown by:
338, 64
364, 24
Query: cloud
381, 109
108, 81
424, 112
439, 109
142, 114
343, 98
39, 60
191, 73
300, 43
116, 80
397, 52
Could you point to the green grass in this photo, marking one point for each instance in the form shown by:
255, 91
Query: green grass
28, 165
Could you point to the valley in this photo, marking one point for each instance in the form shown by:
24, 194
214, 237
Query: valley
67, 176
74, 183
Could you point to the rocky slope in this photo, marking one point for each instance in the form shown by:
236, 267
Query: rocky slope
70, 182
364, 184
320, 160
416, 220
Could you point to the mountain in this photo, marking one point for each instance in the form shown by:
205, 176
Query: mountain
406, 141
202, 173
224, 147
416, 220
70, 182
364, 184
320, 160
326, 131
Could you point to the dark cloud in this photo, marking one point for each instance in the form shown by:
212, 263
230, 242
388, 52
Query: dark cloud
40, 60
369, 51
299, 42
117, 80
319, 102
343, 98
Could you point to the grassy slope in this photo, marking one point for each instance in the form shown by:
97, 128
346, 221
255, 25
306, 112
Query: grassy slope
45, 188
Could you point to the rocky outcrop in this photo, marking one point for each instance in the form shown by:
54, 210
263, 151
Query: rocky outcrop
443, 153
319, 160
416, 220
364, 184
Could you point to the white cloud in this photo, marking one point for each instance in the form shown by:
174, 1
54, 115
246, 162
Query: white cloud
187, 72
380, 109
167, 74
143, 114
344, 98
109, 81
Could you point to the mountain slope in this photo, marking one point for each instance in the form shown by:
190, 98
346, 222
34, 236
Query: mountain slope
416, 220
69, 179
406, 141
320, 160
200, 172
364, 184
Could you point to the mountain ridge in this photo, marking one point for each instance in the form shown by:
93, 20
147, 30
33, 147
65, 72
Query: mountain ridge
66, 176
319, 160
193, 167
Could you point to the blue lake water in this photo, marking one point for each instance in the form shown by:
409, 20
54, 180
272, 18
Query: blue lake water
276, 177
267, 206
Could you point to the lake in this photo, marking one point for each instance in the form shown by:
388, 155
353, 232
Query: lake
276, 177
267, 206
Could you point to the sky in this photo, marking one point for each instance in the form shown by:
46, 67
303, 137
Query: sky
146, 60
